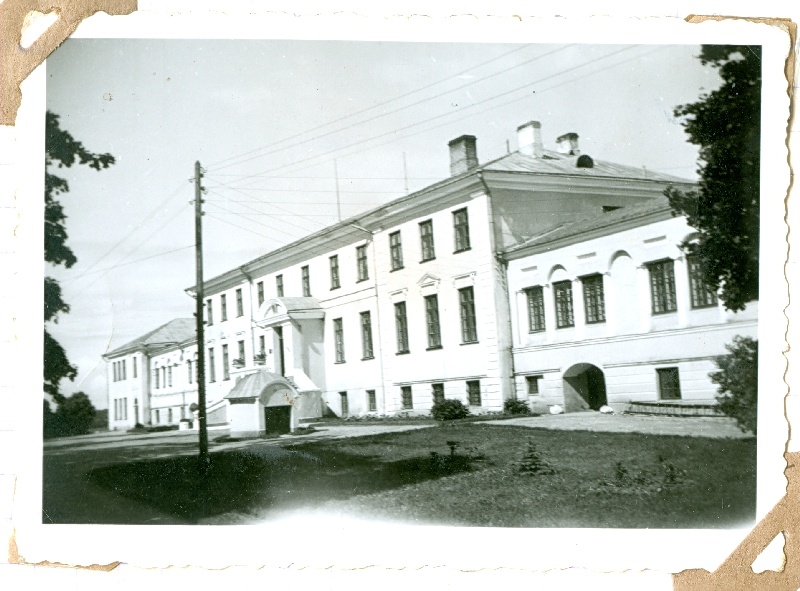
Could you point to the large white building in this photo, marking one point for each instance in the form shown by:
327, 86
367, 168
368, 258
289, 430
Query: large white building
393, 308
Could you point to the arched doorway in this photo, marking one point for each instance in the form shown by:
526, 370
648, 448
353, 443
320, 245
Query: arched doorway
584, 388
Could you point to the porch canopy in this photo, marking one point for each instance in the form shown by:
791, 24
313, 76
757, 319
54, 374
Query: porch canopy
270, 389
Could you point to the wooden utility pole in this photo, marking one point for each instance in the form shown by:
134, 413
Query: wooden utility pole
201, 364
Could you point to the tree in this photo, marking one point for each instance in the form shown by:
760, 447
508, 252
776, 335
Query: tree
61, 150
74, 416
737, 379
726, 124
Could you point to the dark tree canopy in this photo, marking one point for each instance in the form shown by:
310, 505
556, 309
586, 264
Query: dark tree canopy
726, 124
61, 150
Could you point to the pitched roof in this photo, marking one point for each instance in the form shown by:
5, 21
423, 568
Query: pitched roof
600, 222
563, 164
173, 332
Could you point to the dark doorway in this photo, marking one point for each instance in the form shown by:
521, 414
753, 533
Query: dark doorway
277, 420
584, 387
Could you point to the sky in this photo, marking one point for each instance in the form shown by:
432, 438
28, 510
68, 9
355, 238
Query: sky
275, 122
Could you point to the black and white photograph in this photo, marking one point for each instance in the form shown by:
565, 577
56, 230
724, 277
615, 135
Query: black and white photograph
452, 284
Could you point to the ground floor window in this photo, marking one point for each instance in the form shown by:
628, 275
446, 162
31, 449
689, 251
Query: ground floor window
669, 383
372, 401
345, 405
169, 415
533, 384
438, 392
158, 417
407, 399
474, 393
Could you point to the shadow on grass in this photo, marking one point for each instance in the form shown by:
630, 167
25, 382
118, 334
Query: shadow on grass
266, 478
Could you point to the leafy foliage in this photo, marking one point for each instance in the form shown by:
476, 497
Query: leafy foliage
61, 150
726, 124
73, 417
449, 409
514, 406
533, 462
737, 379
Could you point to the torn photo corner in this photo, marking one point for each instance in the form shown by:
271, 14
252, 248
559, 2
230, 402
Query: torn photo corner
448, 314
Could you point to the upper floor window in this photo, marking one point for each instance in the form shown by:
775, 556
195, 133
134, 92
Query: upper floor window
334, 264
461, 229
279, 285
239, 303
169, 376
426, 240
564, 311
594, 299
209, 313
366, 336
260, 291
701, 295
223, 307
396, 250
662, 286
212, 369
432, 321
401, 327
189, 371
535, 296
240, 346
469, 330
338, 339
361, 260
135, 365
157, 380
306, 280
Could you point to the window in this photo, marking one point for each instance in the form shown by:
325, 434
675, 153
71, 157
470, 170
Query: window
338, 339
432, 320
240, 346
158, 378
262, 345
135, 410
239, 303
401, 327
426, 239
701, 295
593, 299
279, 285
158, 417
190, 371
461, 228
226, 369
135, 364
164, 377
212, 374
669, 383
563, 294
260, 291
366, 335
361, 260
662, 286
335, 272
223, 305
169, 376
438, 392
533, 384
535, 297
396, 251
466, 300
406, 397
372, 402
345, 405
209, 313
169, 415
306, 279
124, 371
474, 393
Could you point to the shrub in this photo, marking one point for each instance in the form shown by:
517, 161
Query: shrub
514, 406
737, 379
449, 409
532, 462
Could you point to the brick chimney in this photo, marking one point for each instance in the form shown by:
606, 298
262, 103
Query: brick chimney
463, 154
568, 144
529, 137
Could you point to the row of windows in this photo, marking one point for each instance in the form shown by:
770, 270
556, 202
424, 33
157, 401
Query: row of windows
662, 292
170, 415
120, 369
121, 409
437, 392
223, 303
372, 402
239, 361
462, 243
668, 380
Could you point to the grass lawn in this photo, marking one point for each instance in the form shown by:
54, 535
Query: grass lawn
570, 479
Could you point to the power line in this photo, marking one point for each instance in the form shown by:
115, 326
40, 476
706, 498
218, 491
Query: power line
282, 229
223, 220
125, 264
436, 117
373, 107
